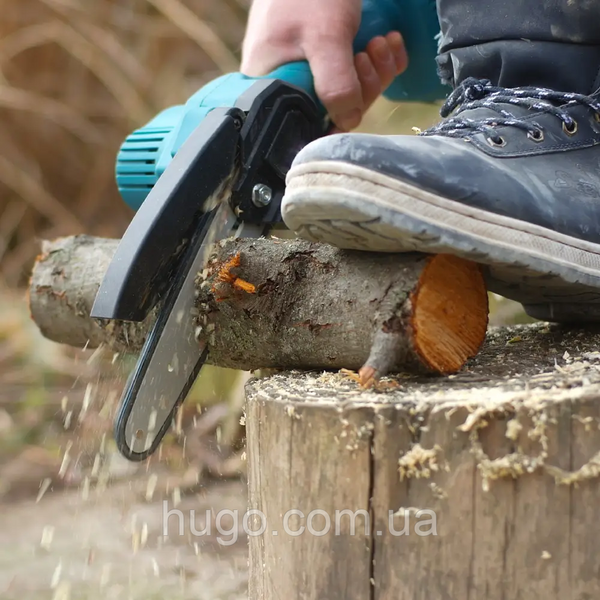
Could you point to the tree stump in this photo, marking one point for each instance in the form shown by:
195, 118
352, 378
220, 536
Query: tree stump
483, 485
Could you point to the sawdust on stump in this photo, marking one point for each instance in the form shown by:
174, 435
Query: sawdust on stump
481, 484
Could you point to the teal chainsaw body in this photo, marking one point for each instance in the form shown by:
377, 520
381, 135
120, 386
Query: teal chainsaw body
147, 152
209, 170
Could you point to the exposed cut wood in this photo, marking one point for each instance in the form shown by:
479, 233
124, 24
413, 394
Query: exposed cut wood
289, 304
449, 319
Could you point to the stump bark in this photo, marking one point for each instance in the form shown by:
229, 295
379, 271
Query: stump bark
483, 485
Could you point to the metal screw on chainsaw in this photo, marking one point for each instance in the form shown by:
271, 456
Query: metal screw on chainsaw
261, 195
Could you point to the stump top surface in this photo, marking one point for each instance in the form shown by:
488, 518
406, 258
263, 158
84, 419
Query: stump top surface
529, 365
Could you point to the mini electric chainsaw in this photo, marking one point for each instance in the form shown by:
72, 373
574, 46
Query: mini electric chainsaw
212, 169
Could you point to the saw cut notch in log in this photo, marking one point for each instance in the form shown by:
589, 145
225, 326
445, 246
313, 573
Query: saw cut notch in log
289, 304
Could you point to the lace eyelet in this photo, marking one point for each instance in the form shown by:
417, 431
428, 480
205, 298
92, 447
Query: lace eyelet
572, 130
499, 142
537, 135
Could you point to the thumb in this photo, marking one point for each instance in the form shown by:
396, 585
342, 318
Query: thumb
336, 81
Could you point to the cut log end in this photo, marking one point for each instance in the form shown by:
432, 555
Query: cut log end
450, 313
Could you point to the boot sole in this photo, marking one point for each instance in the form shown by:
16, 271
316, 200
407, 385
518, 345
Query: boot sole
556, 277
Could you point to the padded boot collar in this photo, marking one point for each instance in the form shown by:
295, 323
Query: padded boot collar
553, 44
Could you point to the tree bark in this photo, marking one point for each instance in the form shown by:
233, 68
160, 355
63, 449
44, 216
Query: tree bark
483, 485
62, 289
288, 304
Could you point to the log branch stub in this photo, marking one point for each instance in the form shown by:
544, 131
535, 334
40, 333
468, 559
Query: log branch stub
272, 303
483, 485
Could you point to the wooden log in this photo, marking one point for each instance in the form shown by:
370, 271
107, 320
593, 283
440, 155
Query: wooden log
62, 289
483, 485
289, 304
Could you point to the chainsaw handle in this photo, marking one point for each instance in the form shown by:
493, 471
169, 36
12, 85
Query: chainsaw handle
148, 151
417, 21
295, 73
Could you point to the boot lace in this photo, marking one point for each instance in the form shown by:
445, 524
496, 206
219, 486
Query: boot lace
480, 93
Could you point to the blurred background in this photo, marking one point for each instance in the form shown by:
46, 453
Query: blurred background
76, 76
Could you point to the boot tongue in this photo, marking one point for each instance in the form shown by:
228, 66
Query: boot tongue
478, 114
498, 101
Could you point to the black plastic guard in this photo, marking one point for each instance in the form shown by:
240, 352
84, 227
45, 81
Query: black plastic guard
155, 241
281, 119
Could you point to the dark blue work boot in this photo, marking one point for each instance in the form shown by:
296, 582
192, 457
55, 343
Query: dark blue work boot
511, 179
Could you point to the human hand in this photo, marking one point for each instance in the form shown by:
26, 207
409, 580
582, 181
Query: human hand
322, 33
382, 61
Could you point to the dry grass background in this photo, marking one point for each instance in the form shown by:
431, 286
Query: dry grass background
76, 76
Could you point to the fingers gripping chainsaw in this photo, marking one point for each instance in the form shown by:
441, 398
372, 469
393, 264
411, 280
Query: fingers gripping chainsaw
209, 170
